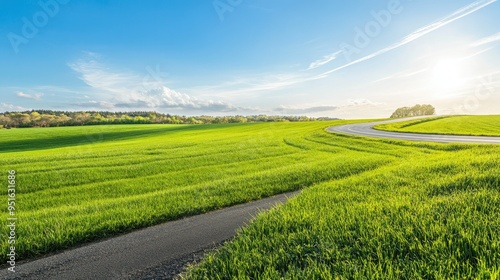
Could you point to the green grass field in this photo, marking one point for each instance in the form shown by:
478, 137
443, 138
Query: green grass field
459, 125
371, 208
77, 184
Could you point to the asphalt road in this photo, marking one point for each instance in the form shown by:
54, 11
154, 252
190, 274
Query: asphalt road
366, 129
157, 248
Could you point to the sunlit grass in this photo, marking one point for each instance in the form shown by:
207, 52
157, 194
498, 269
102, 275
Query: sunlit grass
431, 214
78, 184
459, 125
369, 209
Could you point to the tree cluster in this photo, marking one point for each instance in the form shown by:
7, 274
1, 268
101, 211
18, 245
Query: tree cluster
48, 118
417, 110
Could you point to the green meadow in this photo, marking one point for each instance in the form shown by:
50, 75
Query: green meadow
78, 184
370, 208
459, 125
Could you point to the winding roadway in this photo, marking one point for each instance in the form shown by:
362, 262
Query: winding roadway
366, 129
157, 252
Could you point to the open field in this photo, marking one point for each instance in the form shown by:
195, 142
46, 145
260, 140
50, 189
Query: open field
428, 216
432, 212
374, 208
77, 184
458, 125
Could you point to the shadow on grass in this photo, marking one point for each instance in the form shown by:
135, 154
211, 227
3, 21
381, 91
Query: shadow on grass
84, 138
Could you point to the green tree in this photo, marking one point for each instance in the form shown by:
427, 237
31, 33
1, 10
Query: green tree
417, 110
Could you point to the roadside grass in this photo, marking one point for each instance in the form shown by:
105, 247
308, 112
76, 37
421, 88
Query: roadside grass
458, 125
430, 216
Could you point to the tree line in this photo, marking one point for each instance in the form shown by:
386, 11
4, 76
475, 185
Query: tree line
417, 110
49, 118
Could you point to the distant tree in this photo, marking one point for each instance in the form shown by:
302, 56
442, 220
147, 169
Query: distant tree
417, 110
238, 119
63, 119
35, 118
20, 119
140, 119
81, 118
97, 118
47, 118
5, 121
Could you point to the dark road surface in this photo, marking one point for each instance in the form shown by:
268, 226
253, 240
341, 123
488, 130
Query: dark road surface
157, 249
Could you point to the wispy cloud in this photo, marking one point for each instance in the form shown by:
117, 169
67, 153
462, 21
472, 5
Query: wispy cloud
133, 91
270, 82
402, 75
97, 75
293, 110
4, 107
486, 40
167, 98
363, 102
35, 96
325, 60
251, 85
93, 104
304, 110
464, 11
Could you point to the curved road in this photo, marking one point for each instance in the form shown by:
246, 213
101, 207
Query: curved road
157, 252
366, 129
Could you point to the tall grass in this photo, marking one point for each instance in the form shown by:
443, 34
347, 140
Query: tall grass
431, 214
459, 125
370, 208
79, 184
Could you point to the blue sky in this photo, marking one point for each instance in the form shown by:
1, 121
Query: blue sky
347, 59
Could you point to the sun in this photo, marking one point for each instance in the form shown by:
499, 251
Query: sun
447, 74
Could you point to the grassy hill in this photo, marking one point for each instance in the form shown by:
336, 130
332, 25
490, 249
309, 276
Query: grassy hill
459, 125
370, 208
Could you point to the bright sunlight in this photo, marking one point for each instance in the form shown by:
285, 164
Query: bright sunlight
447, 74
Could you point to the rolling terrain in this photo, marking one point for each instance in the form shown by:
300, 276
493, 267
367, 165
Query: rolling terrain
370, 208
431, 213
454, 125
78, 184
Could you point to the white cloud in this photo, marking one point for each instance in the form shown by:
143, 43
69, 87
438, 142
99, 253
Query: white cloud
278, 81
93, 104
363, 102
98, 76
311, 110
326, 59
419, 32
167, 98
35, 96
486, 40
4, 107
269, 82
251, 85
304, 110
401, 75
133, 91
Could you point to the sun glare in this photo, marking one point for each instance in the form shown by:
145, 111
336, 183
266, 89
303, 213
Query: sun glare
447, 74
